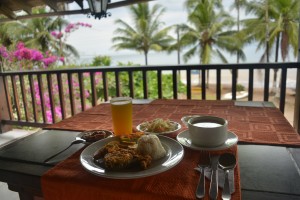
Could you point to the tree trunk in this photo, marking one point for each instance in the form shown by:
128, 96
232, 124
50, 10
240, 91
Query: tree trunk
267, 31
238, 29
178, 52
274, 86
146, 58
207, 79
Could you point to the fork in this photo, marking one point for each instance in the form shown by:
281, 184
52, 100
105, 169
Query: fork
204, 163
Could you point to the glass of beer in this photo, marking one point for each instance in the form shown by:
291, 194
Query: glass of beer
121, 109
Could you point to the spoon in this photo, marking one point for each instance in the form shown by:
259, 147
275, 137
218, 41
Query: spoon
85, 137
78, 140
227, 161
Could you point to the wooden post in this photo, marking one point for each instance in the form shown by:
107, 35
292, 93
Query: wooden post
297, 97
297, 104
4, 110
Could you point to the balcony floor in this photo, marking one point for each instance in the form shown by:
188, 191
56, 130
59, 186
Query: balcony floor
7, 138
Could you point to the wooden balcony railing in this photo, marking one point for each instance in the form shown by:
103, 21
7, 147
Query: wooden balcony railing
38, 98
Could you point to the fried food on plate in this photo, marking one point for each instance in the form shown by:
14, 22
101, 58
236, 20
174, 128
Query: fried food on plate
118, 155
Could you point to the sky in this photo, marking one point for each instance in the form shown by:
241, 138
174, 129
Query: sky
91, 42
95, 41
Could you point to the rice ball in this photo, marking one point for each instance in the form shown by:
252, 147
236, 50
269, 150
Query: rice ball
151, 145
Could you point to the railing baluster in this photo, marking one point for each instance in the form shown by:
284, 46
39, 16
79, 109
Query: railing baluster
61, 95
266, 88
250, 85
71, 94
283, 89
131, 86
23, 92
159, 84
234, 74
32, 90
145, 84
51, 98
188, 84
42, 98
16, 96
117, 78
93, 88
218, 88
9, 105
203, 85
81, 89
175, 87
105, 88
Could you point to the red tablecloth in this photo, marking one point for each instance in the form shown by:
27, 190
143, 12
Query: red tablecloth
68, 180
259, 125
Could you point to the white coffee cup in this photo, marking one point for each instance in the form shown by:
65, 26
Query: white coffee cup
208, 131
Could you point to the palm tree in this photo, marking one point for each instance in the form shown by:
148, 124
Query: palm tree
238, 4
287, 16
281, 27
5, 36
210, 32
145, 33
36, 33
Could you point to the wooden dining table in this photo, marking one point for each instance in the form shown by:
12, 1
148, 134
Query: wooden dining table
268, 155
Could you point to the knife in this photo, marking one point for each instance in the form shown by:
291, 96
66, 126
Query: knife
213, 190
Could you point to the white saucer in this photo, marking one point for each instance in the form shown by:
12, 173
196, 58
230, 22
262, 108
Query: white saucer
184, 139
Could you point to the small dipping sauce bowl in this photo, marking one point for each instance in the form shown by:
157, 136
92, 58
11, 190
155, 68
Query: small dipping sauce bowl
207, 131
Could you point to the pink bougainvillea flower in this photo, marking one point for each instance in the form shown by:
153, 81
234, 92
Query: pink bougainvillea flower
60, 35
36, 55
49, 116
86, 74
23, 53
20, 45
48, 61
3, 52
86, 93
58, 111
53, 33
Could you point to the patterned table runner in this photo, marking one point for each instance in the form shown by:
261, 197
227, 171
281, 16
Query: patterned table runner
259, 125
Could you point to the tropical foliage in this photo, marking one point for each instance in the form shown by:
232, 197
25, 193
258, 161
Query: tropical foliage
145, 33
275, 28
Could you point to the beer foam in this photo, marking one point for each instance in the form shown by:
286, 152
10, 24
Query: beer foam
118, 103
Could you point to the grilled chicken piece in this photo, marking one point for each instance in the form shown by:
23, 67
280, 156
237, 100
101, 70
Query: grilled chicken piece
108, 148
115, 157
118, 159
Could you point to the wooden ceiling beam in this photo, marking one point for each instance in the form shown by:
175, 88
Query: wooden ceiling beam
7, 12
51, 4
24, 6
60, 13
125, 3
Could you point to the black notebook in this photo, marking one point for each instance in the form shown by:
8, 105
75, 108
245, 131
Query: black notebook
39, 146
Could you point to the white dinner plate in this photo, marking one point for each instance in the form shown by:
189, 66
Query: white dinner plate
184, 139
176, 125
174, 155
